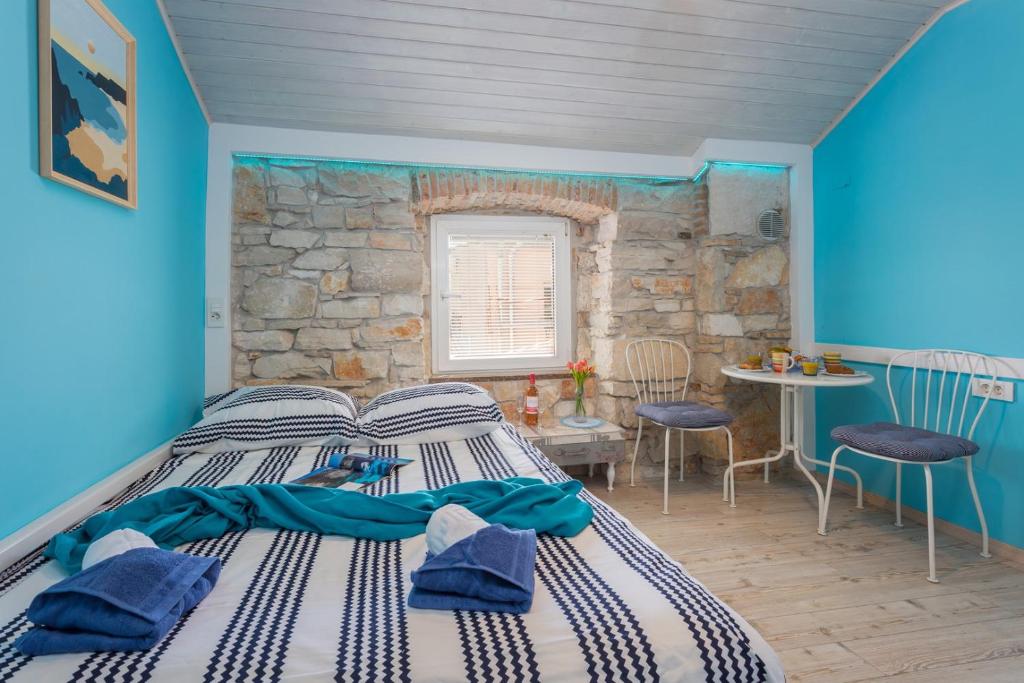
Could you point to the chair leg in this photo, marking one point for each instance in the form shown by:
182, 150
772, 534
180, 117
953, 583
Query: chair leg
682, 454
730, 473
977, 506
899, 495
931, 523
668, 439
767, 467
823, 513
636, 449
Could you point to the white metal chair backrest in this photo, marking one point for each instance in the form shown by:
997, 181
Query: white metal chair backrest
657, 368
940, 380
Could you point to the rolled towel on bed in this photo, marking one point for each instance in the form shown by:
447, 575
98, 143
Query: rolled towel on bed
449, 525
491, 571
125, 603
116, 542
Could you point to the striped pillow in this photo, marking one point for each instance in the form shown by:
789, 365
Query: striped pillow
449, 411
251, 418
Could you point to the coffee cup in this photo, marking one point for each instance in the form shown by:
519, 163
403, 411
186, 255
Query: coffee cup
781, 361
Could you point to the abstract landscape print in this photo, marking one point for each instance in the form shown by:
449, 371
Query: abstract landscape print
87, 99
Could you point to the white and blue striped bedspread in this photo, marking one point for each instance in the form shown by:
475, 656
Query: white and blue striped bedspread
609, 606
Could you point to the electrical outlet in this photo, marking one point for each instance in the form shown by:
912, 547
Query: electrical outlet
1003, 391
215, 312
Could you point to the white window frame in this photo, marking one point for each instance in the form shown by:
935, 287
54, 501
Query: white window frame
440, 227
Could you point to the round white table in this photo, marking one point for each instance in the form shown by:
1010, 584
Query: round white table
791, 423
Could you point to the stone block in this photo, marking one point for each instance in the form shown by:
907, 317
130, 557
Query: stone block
269, 340
250, 195
344, 238
390, 240
391, 330
285, 219
334, 282
319, 338
361, 365
386, 271
721, 325
280, 298
394, 184
329, 216
290, 364
286, 176
343, 182
758, 300
358, 307
359, 217
295, 239
666, 305
408, 353
263, 256
758, 323
393, 215
321, 259
651, 225
402, 304
763, 268
290, 196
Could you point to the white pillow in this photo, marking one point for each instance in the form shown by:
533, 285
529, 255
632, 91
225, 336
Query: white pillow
252, 418
449, 411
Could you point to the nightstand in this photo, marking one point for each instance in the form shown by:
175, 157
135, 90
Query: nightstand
568, 446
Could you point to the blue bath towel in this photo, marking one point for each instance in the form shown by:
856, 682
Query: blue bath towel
124, 603
490, 571
183, 514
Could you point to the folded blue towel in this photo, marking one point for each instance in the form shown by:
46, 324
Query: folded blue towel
124, 603
490, 571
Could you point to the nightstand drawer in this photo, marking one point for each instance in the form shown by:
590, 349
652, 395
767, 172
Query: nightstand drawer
567, 455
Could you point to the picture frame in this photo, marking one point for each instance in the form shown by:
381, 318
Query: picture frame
87, 92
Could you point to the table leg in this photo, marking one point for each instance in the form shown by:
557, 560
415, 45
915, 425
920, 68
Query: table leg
784, 447
798, 451
611, 476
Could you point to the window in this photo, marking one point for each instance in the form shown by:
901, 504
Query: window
501, 293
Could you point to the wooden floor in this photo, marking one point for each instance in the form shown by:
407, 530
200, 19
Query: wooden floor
852, 606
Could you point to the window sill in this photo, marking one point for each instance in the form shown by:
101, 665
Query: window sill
498, 376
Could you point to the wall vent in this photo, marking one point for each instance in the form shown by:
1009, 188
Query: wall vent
770, 225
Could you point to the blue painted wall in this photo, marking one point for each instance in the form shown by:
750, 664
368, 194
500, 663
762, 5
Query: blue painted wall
919, 237
101, 346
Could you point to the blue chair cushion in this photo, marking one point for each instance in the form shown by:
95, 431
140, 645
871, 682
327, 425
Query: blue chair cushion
684, 414
904, 443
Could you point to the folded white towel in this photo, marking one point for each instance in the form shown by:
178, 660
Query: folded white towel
115, 543
449, 525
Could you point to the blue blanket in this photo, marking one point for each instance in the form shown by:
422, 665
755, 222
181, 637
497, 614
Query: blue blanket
124, 603
490, 570
180, 515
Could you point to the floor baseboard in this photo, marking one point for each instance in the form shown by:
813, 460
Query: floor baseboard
1003, 551
38, 532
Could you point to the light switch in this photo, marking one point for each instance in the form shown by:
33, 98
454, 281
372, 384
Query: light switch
215, 312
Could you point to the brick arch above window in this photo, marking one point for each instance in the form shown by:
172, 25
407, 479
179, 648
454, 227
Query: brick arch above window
583, 199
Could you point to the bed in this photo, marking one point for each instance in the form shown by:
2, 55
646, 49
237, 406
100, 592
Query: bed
609, 605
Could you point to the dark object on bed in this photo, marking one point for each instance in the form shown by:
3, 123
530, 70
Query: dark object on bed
125, 603
488, 571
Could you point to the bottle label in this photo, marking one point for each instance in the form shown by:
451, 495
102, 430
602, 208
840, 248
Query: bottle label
532, 404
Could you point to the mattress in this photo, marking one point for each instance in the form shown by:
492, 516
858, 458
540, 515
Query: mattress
609, 605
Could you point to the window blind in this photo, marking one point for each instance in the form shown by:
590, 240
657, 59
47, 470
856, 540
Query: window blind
501, 296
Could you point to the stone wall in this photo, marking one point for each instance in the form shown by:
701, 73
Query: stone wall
331, 281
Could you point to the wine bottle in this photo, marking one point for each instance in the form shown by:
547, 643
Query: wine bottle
531, 412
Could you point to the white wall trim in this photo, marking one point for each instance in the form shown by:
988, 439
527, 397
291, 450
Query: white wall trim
1009, 367
181, 58
918, 34
38, 532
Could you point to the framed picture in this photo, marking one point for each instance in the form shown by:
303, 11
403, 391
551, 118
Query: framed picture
87, 100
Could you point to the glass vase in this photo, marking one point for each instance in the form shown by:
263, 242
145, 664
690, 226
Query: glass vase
581, 408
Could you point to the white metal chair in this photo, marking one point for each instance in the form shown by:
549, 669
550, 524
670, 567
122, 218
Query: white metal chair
652, 367
929, 436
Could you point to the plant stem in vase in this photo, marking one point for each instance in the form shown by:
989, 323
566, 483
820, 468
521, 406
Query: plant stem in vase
581, 409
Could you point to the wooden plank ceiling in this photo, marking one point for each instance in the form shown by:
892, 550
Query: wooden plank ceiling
655, 76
